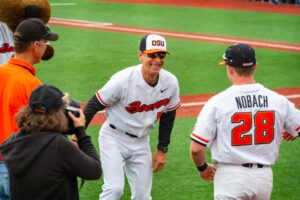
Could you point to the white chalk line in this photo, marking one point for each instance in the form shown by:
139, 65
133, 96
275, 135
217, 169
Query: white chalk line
112, 27
63, 4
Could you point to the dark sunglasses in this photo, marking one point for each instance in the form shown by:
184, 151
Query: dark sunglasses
161, 55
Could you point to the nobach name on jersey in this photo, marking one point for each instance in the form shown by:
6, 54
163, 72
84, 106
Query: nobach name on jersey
250, 101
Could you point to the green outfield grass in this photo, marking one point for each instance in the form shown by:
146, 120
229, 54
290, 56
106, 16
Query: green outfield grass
85, 59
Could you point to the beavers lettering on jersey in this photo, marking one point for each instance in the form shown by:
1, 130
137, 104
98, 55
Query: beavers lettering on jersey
250, 101
5, 48
137, 107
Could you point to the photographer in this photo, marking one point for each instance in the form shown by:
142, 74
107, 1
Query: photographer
42, 162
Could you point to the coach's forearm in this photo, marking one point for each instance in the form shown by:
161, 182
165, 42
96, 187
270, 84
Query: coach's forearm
166, 124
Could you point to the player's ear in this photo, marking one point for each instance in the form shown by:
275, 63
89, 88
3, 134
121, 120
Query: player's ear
256, 66
35, 45
140, 56
230, 69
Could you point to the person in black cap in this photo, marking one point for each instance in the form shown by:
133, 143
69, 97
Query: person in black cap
42, 162
135, 99
243, 126
18, 75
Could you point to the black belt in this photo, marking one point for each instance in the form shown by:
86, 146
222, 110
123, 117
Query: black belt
250, 165
129, 134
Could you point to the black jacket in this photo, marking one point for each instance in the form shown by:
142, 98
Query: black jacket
45, 165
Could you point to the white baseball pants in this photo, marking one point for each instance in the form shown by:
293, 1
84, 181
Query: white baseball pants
235, 182
121, 153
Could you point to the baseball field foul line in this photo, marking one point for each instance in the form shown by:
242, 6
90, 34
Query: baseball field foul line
63, 4
187, 36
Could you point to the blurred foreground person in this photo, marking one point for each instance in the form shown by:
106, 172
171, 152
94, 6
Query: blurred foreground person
18, 79
42, 162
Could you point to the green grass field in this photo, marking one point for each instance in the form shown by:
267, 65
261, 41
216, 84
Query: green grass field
85, 59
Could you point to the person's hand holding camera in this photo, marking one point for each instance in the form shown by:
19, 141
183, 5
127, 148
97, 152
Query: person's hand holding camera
77, 121
66, 98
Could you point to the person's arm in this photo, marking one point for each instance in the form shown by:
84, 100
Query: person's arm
91, 108
165, 129
207, 171
166, 124
289, 137
83, 161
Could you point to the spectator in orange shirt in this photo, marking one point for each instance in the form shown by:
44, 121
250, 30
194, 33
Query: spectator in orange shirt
18, 80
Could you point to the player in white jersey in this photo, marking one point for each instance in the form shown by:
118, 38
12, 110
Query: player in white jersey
6, 43
243, 126
135, 98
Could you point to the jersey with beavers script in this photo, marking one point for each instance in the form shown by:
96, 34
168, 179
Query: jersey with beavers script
6, 43
134, 106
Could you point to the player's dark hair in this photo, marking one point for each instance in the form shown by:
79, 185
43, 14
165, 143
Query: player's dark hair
31, 122
245, 71
21, 47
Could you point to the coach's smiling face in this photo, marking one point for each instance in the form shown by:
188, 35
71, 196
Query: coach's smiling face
152, 63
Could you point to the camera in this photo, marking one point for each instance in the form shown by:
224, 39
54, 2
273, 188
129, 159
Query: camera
73, 107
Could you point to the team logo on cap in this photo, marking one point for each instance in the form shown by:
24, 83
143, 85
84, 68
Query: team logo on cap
158, 43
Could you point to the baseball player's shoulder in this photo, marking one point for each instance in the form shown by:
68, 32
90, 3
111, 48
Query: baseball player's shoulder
167, 76
220, 98
223, 94
271, 93
124, 74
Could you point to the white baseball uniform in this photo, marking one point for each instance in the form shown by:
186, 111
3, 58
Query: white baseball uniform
6, 43
244, 125
133, 107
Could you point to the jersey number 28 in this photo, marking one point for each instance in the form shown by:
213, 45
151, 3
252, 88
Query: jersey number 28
263, 132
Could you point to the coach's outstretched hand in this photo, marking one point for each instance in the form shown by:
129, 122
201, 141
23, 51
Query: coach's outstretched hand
158, 161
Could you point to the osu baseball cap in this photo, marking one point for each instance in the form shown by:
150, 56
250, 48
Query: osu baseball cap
33, 29
46, 98
153, 43
240, 56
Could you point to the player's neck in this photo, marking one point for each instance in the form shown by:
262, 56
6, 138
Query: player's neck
151, 79
26, 57
243, 80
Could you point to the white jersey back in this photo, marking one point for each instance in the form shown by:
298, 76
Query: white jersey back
244, 124
6, 43
133, 106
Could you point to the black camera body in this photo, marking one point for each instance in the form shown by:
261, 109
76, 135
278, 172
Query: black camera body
73, 110
73, 107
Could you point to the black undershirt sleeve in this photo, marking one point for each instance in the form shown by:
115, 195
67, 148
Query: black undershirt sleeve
91, 108
165, 128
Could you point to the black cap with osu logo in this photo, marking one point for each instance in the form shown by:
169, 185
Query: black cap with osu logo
240, 56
